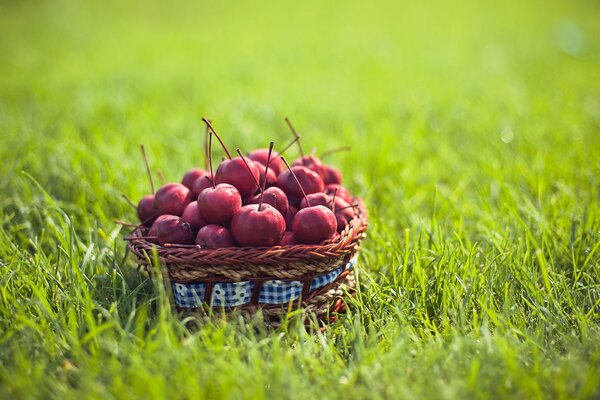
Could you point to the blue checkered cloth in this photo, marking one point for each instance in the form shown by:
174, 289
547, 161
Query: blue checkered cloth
232, 294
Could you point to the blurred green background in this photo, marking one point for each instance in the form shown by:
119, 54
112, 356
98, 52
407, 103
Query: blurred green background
474, 129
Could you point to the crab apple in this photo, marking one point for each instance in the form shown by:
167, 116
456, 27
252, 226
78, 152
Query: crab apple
288, 239
310, 162
214, 237
270, 174
311, 182
261, 155
146, 211
174, 231
153, 231
275, 197
200, 184
331, 175
235, 172
342, 192
313, 225
191, 215
316, 199
172, 199
289, 217
257, 225
191, 176
218, 204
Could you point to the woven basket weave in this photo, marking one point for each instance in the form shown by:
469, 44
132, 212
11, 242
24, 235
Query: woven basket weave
274, 279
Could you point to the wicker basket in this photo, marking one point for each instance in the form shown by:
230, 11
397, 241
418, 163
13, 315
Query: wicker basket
275, 279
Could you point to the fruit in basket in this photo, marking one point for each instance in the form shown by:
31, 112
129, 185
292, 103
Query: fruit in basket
172, 199
316, 199
218, 204
268, 172
331, 175
234, 172
305, 203
289, 217
307, 180
191, 215
258, 225
260, 156
191, 176
174, 231
288, 239
146, 211
313, 225
200, 184
275, 197
214, 237
342, 192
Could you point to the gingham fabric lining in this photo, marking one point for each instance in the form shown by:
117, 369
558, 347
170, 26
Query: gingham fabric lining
237, 293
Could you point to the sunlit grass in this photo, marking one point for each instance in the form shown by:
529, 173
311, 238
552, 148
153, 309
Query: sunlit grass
475, 143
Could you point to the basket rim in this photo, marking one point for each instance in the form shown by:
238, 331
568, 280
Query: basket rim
190, 263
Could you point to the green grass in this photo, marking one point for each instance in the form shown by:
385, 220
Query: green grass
476, 143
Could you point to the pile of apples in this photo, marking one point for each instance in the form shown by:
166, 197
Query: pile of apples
254, 200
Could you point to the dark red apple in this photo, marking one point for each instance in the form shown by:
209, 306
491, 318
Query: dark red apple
191, 215
331, 175
172, 199
275, 197
200, 184
313, 225
288, 239
214, 237
342, 192
289, 217
191, 176
262, 227
218, 205
311, 182
235, 172
261, 155
316, 199
146, 211
174, 231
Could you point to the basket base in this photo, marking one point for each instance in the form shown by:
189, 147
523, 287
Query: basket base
326, 306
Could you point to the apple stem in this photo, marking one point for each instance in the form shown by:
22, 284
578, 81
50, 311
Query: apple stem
128, 200
147, 168
333, 199
248, 166
287, 120
290, 144
296, 179
262, 189
212, 176
355, 205
206, 134
336, 150
207, 122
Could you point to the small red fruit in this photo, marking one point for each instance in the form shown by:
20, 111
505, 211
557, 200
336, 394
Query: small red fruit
214, 237
218, 205
146, 211
191, 176
311, 182
254, 226
236, 173
191, 215
313, 225
172, 199
288, 239
174, 231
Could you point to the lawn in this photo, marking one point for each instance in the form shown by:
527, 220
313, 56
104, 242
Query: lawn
475, 134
